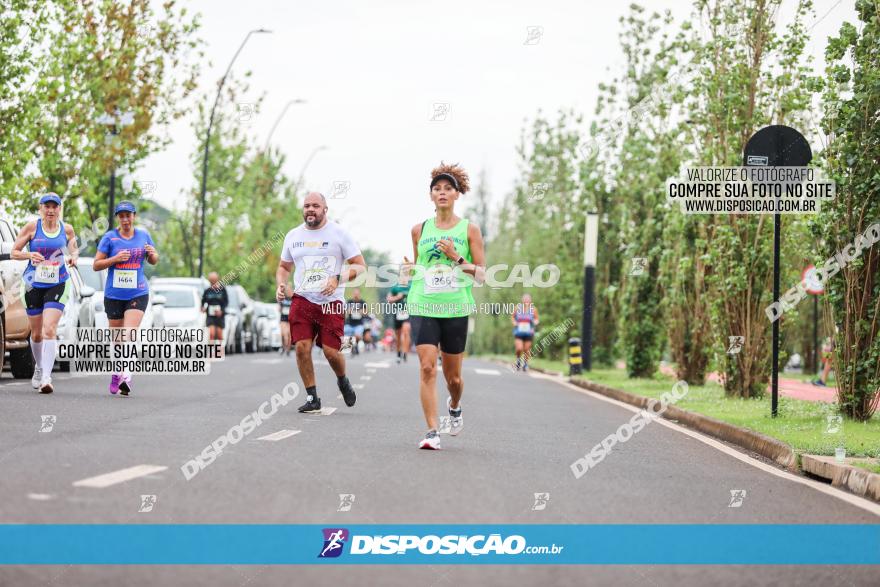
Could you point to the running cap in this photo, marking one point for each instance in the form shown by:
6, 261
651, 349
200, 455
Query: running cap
51, 197
125, 206
451, 179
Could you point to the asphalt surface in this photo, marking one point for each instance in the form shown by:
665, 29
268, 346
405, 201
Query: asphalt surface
522, 432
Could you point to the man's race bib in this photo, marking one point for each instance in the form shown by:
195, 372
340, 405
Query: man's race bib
356, 315
314, 279
439, 279
523, 327
316, 271
125, 278
213, 310
47, 273
402, 315
285, 311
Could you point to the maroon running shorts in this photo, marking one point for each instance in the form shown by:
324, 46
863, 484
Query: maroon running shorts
322, 323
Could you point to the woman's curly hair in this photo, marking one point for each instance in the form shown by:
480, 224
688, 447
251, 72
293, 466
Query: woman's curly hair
456, 171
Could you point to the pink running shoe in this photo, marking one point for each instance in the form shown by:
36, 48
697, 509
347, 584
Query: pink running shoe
114, 383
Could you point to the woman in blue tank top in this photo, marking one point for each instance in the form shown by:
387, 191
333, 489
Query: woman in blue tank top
51, 246
123, 251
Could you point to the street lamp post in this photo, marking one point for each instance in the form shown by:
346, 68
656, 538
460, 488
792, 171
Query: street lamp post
305, 166
208, 146
114, 122
278, 120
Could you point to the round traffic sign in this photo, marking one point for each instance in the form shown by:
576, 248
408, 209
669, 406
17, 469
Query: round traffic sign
777, 146
811, 281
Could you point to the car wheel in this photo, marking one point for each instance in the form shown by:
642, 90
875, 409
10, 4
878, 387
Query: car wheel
21, 363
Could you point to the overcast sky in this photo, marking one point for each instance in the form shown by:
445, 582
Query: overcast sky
372, 72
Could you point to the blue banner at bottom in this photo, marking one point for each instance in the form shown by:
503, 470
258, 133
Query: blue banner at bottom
606, 544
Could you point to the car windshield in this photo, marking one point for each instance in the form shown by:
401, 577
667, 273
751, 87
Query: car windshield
177, 298
91, 277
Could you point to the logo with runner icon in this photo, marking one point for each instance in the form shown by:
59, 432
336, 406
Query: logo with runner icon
334, 541
346, 500
435, 253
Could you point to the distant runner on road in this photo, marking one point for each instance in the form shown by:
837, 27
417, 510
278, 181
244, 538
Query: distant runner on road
284, 309
449, 252
397, 298
524, 318
355, 312
214, 302
322, 256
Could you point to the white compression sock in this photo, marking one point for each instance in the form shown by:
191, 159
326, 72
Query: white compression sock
37, 350
49, 348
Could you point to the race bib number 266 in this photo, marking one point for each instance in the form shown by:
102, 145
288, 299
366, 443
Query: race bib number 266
439, 279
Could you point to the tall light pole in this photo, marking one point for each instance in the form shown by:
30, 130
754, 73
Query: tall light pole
208, 145
113, 122
305, 166
278, 120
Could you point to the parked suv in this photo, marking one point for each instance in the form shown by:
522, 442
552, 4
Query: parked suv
15, 331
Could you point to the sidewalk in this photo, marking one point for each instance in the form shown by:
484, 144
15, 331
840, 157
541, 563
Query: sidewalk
787, 387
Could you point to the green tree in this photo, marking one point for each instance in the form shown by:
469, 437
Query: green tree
646, 157
92, 58
751, 71
852, 102
250, 206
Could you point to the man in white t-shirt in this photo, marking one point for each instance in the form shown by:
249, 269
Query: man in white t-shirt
322, 256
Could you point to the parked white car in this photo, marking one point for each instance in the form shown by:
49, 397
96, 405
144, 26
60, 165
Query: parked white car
181, 307
79, 310
200, 283
268, 326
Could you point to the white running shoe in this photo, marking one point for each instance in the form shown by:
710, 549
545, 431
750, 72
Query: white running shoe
456, 422
37, 379
46, 385
431, 441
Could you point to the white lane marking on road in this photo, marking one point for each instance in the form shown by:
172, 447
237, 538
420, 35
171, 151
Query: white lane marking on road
268, 361
120, 476
280, 435
488, 371
377, 365
327, 411
356, 386
366, 377
40, 496
371, 370
850, 498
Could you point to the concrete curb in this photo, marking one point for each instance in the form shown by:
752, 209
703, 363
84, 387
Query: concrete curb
857, 480
770, 448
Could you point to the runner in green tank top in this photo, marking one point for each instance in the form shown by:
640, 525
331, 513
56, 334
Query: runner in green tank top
448, 258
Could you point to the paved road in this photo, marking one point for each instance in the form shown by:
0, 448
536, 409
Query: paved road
522, 432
